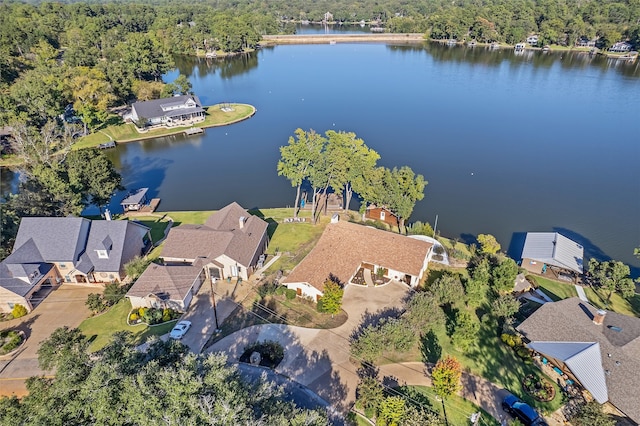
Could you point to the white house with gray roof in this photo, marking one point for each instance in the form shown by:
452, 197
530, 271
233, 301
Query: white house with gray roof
52, 250
176, 111
551, 249
599, 349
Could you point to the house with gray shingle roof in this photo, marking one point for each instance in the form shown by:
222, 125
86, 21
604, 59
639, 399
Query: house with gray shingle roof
52, 250
227, 246
175, 111
344, 248
598, 349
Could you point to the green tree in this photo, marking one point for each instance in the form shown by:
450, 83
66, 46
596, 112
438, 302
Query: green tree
297, 158
92, 95
591, 414
446, 377
423, 311
465, 331
402, 189
448, 289
612, 276
183, 85
332, 297
93, 175
136, 266
369, 395
503, 275
488, 244
9, 223
505, 306
391, 411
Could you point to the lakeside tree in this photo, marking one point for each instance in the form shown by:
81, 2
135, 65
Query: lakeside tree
612, 276
93, 175
503, 275
448, 289
465, 330
505, 306
488, 244
401, 189
297, 158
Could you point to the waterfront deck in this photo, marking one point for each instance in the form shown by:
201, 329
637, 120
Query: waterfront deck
193, 131
145, 209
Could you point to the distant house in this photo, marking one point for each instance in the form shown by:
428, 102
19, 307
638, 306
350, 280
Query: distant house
532, 40
328, 17
382, 214
621, 46
134, 201
544, 250
584, 41
598, 349
344, 248
175, 111
228, 246
52, 250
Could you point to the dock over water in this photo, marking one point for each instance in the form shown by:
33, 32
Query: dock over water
193, 131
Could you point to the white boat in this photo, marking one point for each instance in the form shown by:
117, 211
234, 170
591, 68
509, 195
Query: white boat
520, 46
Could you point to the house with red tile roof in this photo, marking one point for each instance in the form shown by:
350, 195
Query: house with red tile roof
344, 248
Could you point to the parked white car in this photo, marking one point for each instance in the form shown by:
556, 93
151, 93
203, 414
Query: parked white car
180, 329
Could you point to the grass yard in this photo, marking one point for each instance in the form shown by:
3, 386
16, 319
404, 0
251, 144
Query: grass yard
157, 225
458, 409
101, 327
489, 358
126, 132
619, 304
554, 289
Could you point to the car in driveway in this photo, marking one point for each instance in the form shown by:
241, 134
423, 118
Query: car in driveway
522, 411
180, 329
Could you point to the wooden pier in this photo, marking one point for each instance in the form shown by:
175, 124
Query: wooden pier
106, 145
193, 131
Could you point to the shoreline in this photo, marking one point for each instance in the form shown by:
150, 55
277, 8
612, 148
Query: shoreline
183, 128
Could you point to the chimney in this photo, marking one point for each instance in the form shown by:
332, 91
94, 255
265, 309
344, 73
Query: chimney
107, 214
599, 317
335, 218
241, 222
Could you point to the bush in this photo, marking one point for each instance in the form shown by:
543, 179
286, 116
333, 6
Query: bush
281, 290
95, 302
9, 340
113, 292
290, 293
134, 317
511, 340
19, 311
142, 312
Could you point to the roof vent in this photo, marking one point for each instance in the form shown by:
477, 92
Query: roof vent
335, 218
241, 221
598, 318
618, 363
607, 372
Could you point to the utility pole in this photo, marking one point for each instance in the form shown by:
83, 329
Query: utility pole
435, 227
213, 302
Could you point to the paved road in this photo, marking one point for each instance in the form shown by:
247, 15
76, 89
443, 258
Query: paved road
319, 359
64, 306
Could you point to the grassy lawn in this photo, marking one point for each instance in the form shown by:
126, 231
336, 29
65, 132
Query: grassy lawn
127, 132
458, 409
157, 225
619, 304
101, 327
554, 289
489, 358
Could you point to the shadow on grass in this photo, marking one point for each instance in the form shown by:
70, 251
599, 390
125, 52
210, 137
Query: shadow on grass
431, 349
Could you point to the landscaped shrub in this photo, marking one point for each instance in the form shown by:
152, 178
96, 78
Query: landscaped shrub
419, 228
166, 315
290, 293
281, 290
19, 311
153, 316
112, 294
539, 388
95, 302
9, 340
511, 340
142, 311
134, 317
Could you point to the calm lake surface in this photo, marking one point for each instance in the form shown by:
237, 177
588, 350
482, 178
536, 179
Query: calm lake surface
508, 143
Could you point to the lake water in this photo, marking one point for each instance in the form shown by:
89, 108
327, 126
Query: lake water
508, 143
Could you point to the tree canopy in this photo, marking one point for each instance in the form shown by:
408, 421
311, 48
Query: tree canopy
122, 386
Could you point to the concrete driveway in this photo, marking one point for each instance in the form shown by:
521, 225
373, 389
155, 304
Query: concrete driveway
63, 306
319, 359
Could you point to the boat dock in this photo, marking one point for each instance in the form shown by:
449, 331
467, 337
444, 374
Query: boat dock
145, 209
193, 131
110, 144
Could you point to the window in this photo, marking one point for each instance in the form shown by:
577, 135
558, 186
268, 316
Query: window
102, 254
67, 279
234, 271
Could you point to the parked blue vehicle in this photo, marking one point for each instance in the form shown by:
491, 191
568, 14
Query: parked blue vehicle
522, 411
